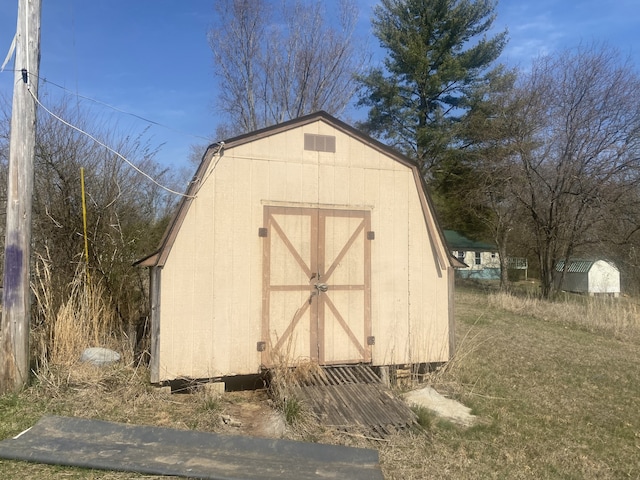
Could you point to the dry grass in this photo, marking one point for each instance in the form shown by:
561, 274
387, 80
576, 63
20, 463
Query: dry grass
616, 316
84, 319
286, 373
557, 398
117, 393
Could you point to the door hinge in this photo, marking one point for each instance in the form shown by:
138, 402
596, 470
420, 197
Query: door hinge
261, 346
371, 340
262, 232
371, 235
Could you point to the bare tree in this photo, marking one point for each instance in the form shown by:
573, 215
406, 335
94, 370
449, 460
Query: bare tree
126, 214
621, 239
276, 61
578, 155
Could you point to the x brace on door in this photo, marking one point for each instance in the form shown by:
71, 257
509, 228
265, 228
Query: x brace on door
316, 284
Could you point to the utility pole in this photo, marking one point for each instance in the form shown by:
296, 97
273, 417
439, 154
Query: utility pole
16, 308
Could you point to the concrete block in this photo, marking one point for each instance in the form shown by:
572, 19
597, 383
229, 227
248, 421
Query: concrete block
213, 389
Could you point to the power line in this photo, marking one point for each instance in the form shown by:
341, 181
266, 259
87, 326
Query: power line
119, 110
139, 117
118, 154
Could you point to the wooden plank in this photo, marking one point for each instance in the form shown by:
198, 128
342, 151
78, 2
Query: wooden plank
370, 375
353, 396
348, 374
154, 289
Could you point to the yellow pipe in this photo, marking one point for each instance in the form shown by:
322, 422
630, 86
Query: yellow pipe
84, 220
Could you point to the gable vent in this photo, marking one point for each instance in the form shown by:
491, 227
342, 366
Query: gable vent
319, 143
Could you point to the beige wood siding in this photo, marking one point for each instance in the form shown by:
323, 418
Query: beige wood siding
212, 280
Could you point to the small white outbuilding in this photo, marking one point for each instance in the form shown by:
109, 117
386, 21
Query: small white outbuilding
593, 277
307, 239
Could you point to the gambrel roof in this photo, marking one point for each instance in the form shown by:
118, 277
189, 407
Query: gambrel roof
159, 257
578, 265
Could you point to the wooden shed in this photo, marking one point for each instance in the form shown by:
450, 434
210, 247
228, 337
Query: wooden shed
590, 276
306, 240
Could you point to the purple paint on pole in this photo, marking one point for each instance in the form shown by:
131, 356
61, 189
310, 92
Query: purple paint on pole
12, 274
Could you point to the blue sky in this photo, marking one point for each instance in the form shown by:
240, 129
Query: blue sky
151, 57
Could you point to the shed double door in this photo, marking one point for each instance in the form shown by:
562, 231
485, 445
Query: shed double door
316, 285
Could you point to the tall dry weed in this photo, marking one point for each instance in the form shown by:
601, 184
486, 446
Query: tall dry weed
286, 374
616, 316
443, 378
83, 318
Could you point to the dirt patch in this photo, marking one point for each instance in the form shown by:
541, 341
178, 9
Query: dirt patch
250, 413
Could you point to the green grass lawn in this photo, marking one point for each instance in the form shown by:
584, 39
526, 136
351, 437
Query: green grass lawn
554, 397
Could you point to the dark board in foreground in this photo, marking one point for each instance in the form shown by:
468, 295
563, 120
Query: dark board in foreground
163, 451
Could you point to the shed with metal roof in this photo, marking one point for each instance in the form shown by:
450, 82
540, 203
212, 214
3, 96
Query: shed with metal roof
306, 240
589, 276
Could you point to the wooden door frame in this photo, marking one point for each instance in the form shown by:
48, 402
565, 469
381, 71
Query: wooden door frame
317, 340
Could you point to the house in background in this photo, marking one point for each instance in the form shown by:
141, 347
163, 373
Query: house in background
593, 277
307, 241
481, 259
